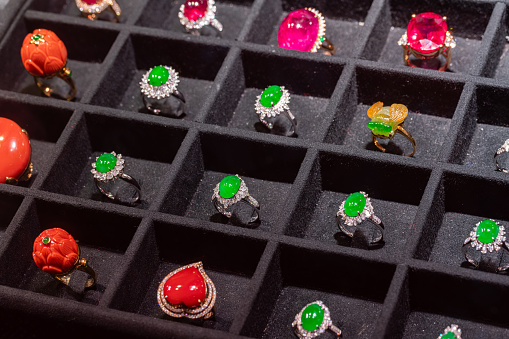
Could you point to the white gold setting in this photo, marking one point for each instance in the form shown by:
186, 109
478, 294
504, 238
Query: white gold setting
504, 147
113, 174
451, 329
271, 112
324, 326
496, 245
204, 310
208, 19
98, 7
223, 204
366, 213
163, 91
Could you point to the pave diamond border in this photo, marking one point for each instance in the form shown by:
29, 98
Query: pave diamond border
163, 91
367, 212
271, 112
179, 311
448, 43
98, 7
453, 328
227, 203
206, 19
495, 245
305, 334
114, 173
504, 147
321, 29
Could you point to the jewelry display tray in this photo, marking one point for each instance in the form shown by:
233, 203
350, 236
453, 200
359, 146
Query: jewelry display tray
413, 287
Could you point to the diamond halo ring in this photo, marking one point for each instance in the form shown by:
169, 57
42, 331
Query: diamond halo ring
313, 320
269, 105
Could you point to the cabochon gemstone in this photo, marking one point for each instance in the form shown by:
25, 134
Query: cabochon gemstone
158, 76
271, 96
105, 163
15, 150
229, 186
298, 31
448, 335
312, 317
55, 251
426, 32
487, 231
185, 287
195, 9
90, 2
355, 204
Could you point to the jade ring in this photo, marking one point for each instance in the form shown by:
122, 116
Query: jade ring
157, 86
313, 320
231, 190
356, 209
107, 168
272, 102
487, 236
451, 332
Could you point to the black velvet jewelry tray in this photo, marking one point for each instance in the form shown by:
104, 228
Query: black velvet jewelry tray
414, 286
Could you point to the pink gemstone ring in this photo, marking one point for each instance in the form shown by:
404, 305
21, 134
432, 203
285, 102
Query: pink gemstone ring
304, 30
427, 38
196, 14
92, 8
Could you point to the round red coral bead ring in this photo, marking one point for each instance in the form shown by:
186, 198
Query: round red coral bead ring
91, 9
57, 253
187, 292
304, 30
427, 38
15, 152
196, 14
44, 56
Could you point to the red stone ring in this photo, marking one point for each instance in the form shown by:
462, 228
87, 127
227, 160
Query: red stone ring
92, 8
196, 14
15, 152
157, 86
107, 168
426, 39
57, 253
230, 191
269, 105
187, 292
45, 57
304, 30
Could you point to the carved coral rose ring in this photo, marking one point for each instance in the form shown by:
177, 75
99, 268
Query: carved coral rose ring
57, 253
92, 8
44, 56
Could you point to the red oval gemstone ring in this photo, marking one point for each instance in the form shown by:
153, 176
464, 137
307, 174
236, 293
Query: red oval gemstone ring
57, 253
15, 152
196, 14
92, 8
304, 30
427, 37
187, 292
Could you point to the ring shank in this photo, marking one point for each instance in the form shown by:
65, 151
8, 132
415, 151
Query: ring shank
485, 263
445, 51
127, 179
401, 131
500, 152
81, 265
288, 114
165, 110
65, 75
379, 227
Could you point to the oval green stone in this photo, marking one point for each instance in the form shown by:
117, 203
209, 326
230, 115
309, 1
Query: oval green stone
158, 76
448, 335
487, 231
271, 96
355, 204
312, 317
46, 240
105, 163
229, 186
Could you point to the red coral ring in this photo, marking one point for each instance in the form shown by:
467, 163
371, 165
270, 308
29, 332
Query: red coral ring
57, 253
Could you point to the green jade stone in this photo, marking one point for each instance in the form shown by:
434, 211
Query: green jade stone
487, 231
105, 163
381, 123
158, 76
271, 96
36, 37
229, 186
46, 240
355, 204
448, 335
312, 317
